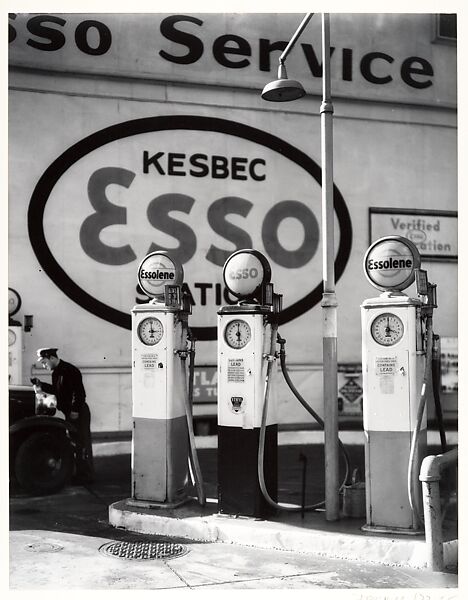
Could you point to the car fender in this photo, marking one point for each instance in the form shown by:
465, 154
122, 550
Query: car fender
39, 422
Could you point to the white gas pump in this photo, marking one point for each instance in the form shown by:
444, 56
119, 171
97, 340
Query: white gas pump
396, 351
15, 340
15, 354
246, 351
163, 436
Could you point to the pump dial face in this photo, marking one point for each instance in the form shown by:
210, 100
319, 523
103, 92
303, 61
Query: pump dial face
237, 334
11, 337
387, 329
150, 331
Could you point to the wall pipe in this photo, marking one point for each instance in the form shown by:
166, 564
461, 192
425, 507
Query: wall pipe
430, 475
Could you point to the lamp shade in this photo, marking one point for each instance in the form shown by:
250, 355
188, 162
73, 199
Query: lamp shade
283, 90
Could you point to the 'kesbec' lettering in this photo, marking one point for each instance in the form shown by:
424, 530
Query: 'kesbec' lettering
201, 165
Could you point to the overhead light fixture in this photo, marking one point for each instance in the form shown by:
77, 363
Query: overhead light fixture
283, 89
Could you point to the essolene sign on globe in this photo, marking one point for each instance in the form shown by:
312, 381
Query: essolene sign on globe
157, 270
245, 271
390, 263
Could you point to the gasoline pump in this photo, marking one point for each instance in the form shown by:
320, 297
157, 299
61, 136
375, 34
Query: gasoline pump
163, 443
247, 421
15, 339
397, 346
246, 347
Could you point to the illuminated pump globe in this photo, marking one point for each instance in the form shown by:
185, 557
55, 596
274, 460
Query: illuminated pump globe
390, 263
157, 270
245, 272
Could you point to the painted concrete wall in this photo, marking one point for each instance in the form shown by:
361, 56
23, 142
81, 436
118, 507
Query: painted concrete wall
131, 132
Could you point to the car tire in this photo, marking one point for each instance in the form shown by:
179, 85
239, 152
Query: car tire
44, 462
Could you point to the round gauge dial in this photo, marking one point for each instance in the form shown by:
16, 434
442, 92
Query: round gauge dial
14, 302
150, 331
11, 337
387, 329
237, 333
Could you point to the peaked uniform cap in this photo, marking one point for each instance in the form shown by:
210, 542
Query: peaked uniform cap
46, 352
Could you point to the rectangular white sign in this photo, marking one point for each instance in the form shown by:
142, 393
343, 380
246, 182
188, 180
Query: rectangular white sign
433, 232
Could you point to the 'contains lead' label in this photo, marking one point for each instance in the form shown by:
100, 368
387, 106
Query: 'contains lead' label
236, 370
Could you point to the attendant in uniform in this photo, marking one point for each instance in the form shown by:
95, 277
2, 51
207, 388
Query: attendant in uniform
67, 386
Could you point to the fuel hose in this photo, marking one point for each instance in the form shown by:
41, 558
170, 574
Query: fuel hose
197, 474
261, 450
436, 391
414, 494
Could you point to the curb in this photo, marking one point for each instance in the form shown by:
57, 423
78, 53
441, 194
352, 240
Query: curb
186, 522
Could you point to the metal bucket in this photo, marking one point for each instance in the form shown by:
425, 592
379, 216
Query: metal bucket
354, 497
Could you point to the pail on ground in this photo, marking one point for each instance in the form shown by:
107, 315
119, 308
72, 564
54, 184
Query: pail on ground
354, 497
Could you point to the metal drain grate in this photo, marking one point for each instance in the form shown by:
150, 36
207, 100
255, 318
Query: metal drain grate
144, 550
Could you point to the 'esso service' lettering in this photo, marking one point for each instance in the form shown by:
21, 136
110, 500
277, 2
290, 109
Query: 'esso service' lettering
244, 273
50, 33
156, 274
389, 263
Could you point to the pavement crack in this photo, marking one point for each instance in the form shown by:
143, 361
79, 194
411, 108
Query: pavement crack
186, 583
268, 577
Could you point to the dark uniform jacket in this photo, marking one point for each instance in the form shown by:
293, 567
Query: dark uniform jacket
67, 385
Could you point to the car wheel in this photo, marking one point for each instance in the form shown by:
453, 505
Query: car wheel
44, 462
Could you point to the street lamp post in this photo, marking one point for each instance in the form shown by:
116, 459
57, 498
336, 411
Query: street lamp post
284, 90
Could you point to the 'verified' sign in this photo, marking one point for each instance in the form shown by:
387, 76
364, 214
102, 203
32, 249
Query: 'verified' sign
434, 233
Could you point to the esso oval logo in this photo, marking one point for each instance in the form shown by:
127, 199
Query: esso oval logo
156, 270
199, 188
245, 271
390, 262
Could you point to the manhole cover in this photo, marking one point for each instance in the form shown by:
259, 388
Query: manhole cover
144, 550
43, 547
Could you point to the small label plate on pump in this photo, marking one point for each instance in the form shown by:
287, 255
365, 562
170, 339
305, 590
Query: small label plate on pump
236, 370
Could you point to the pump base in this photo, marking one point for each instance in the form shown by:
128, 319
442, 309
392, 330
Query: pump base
152, 504
239, 491
393, 530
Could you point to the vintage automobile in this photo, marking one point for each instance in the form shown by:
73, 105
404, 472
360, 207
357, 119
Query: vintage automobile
41, 448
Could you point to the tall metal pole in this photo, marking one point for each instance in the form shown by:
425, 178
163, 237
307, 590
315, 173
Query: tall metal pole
329, 302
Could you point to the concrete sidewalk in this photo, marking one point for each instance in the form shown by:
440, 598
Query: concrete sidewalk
67, 562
